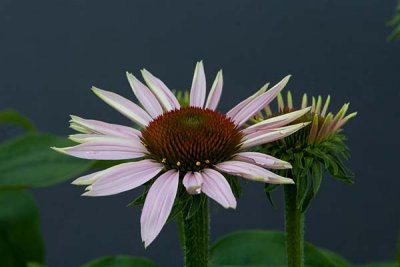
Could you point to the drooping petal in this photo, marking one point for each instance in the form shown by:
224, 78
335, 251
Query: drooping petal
270, 135
217, 187
235, 110
161, 91
193, 182
198, 91
131, 141
124, 106
99, 127
158, 205
123, 177
263, 160
215, 93
105, 148
145, 96
277, 121
252, 172
87, 179
259, 103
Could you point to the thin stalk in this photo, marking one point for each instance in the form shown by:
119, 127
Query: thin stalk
294, 219
196, 236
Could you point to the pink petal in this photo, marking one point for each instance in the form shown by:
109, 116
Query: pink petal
145, 96
217, 187
99, 127
106, 148
252, 172
270, 135
87, 179
235, 110
123, 177
263, 160
158, 205
277, 121
215, 93
131, 141
259, 103
192, 182
161, 91
198, 91
124, 106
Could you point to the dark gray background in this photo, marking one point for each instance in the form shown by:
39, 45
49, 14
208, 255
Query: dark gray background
52, 52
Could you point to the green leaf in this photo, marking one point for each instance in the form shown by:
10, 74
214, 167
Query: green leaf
13, 117
120, 261
265, 249
20, 240
378, 265
28, 161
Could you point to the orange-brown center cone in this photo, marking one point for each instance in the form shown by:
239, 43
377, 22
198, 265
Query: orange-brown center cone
190, 139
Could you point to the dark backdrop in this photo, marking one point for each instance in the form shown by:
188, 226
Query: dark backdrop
53, 51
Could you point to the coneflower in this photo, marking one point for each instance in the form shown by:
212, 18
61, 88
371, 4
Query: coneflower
193, 146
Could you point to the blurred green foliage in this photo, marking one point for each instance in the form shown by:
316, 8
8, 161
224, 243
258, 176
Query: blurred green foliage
27, 161
268, 249
120, 261
20, 239
395, 23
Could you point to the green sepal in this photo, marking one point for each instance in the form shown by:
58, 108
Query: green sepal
268, 188
302, 186
234, 184
316, 178
195, 203
309, 163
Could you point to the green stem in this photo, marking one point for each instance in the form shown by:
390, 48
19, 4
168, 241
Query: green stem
294, 228
398, 247
195, 235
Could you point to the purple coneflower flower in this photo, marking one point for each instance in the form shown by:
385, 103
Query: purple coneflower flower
191, 145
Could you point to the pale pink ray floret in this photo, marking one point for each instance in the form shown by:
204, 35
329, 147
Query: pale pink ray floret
104, 141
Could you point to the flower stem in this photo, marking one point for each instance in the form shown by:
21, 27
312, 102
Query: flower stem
294, 228
195, 235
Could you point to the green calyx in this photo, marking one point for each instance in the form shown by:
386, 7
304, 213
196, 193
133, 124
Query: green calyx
313, 150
